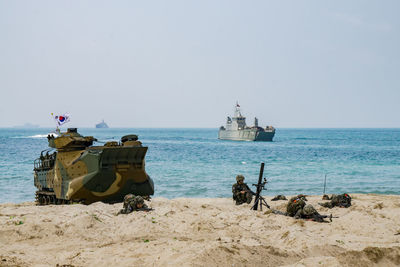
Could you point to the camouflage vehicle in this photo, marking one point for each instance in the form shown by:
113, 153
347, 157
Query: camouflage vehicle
80, 172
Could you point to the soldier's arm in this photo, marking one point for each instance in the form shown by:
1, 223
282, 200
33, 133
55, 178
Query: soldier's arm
252, 192
319, 218
248, 189
235, 190
298, 214
123, 211
129, 209
145, 208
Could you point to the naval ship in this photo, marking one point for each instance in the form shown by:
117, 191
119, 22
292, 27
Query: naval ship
102, 125
236, 129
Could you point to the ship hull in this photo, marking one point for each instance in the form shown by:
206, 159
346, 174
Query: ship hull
246, 135
101, 126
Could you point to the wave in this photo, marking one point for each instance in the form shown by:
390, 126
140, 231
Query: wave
35, 136
38, 136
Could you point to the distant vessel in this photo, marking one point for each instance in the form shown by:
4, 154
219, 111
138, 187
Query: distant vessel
102, 125
236, 129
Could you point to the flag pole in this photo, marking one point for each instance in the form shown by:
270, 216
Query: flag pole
57, 129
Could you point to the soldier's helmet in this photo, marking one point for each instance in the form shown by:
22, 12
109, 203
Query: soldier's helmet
139, 200
301, 196
239, 178
128, 198
309, 210
344, 200
347, 196
325, 197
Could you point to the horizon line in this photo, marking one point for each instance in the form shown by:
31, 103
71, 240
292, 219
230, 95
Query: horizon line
128, 127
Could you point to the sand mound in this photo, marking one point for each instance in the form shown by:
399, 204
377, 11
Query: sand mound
200, 232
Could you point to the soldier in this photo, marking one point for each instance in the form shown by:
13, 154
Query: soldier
298, 209
41, 160
326, 197
133, 203
241, 192
309, 213
128, 203
279, 197
342, 201
294, 205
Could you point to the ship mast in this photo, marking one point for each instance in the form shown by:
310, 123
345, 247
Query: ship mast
237, 110
239, 120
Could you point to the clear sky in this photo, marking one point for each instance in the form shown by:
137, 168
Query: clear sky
186, 63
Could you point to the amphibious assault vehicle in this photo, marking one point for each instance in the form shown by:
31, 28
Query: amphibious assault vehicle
77, 171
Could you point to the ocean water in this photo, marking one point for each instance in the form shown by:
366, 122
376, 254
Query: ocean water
194, 163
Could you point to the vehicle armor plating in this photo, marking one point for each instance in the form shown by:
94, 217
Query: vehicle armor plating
80, 172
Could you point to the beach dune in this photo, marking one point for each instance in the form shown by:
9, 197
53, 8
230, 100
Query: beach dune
200, 232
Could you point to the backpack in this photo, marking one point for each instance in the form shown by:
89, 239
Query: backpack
294, 205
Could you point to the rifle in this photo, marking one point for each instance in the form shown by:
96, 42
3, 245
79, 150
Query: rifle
320, 218
144, 209
260, 186
315, 217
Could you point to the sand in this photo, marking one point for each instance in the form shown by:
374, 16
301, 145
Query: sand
200, 232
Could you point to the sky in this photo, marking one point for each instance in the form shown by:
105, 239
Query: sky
308, 64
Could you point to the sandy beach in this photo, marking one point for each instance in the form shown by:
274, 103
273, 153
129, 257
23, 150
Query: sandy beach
200, 232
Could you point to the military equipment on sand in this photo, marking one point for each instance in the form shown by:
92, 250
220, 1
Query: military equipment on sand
260, 186
80, 172
342, 200
279, 197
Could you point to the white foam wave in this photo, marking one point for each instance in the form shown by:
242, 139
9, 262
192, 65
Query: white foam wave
38, 136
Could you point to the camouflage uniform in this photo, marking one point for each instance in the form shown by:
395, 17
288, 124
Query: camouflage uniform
326, 197
301, 196
298, 209
279, 197
343, 201
309, 212
294, 205
131, 202
238, 187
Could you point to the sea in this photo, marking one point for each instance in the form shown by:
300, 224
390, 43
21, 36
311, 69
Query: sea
194, 163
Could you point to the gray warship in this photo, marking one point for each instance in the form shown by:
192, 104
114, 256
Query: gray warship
102, 125
236, 129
